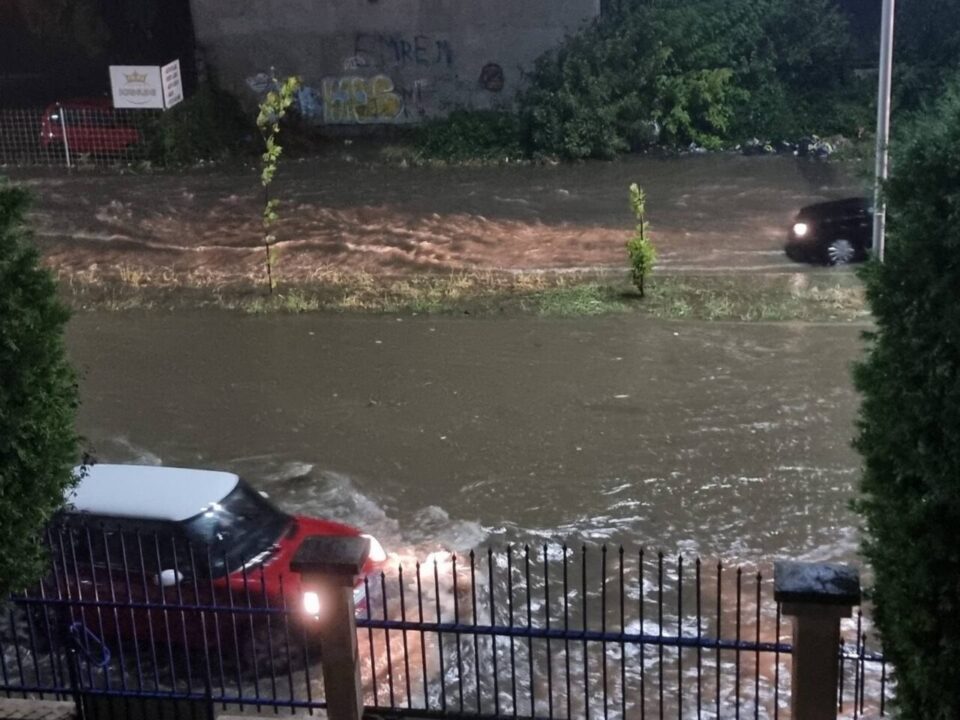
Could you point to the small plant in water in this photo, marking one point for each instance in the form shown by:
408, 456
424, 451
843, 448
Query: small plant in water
272, 110
639, 248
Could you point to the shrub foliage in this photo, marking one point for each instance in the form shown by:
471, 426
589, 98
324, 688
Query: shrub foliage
487, 135
682, 71
909, 425
208, 125
38, 398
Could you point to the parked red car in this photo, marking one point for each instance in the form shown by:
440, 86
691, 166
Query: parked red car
160, 536
88, 125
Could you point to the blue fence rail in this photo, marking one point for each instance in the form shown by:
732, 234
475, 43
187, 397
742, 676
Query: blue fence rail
523, 632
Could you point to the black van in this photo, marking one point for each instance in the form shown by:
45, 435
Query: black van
834, 233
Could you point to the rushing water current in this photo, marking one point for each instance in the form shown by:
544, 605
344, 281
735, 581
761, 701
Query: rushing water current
725, 440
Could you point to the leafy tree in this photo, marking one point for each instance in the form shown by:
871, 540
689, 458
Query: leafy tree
909, 424
38, 398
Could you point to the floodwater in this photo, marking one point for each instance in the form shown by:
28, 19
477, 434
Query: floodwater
727, 440
708, 213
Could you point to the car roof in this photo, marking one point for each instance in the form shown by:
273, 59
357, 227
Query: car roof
99, 103
851, 205
148, 491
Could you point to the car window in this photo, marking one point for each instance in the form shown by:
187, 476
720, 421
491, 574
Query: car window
88, 544
88, 118
237, 529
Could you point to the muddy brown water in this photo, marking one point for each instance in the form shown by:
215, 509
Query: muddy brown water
728, 440
709, 213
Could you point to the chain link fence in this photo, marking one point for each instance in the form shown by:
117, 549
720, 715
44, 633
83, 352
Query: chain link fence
74, 134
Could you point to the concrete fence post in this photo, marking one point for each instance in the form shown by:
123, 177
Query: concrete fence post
329, 567
816, 596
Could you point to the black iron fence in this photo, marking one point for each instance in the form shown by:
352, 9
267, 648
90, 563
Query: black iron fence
532, 632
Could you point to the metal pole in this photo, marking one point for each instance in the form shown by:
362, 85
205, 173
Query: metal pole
61, 111
883, 127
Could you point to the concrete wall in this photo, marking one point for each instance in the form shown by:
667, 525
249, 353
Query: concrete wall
384, 61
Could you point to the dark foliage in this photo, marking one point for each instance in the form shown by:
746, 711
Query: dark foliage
208, 125
463, 135
909, 426
38, 398
703, 71
927, 53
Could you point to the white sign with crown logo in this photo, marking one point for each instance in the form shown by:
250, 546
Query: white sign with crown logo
136, 86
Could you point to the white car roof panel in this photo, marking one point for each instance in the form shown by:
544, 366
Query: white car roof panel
149, 491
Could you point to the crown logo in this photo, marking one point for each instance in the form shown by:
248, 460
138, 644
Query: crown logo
136, 77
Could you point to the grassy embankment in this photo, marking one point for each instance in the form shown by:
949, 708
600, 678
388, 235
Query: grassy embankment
816, 296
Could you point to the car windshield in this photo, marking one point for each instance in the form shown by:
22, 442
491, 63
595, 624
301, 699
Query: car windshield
237, 529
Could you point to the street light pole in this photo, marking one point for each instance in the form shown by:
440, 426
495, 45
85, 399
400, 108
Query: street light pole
883, 127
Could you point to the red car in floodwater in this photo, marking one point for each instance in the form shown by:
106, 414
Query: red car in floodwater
184, 537
86, 125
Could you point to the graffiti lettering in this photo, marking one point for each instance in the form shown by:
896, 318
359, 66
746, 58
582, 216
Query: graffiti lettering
375, 50
413, 98
309, 102
350, 100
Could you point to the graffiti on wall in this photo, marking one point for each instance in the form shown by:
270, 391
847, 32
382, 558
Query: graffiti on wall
379, 50
491, 77
352, 99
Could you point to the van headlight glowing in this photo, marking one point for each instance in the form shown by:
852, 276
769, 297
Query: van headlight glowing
800, 229
377, 553
311, 603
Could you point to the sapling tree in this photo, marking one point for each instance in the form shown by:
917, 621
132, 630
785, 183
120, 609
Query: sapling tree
640, 250
273, 108
38, 399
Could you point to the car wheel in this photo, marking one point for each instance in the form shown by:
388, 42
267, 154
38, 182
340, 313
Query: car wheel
840, 252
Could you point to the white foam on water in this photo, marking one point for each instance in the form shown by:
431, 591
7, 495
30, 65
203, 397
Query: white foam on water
121, 449
301, 487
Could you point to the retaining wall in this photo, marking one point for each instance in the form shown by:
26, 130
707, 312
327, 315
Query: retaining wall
384, 61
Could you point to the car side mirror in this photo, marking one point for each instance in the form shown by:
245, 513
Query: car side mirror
168, 578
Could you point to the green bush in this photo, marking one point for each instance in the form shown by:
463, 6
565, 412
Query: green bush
38, 398
909, 424
471, 135
703, 71
208, 125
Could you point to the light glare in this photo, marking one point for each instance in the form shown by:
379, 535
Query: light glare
377, 553
311, 603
